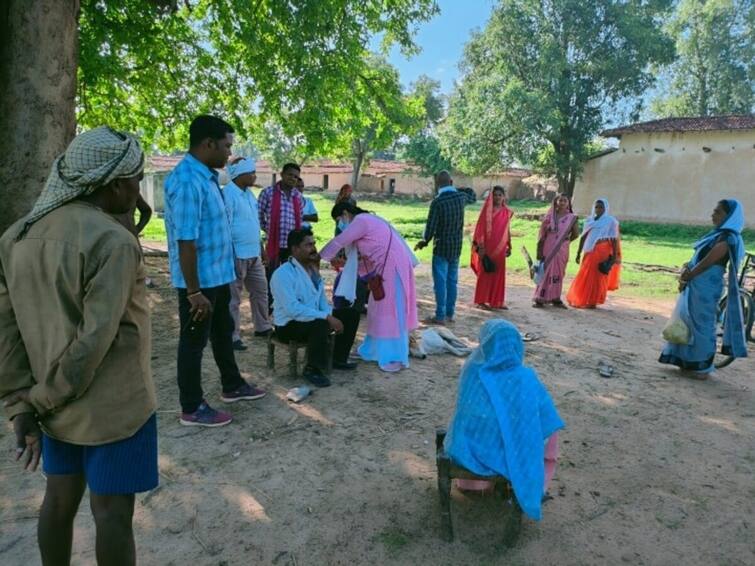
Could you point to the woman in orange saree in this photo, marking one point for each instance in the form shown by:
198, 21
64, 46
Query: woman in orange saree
490, 248
599, 271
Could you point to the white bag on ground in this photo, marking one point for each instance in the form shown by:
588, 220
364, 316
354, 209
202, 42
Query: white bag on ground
677, 330
441, 341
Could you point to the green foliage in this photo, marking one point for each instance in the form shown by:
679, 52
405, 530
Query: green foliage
715, 69
275, 146
150, 69
428, 89
423, 149
543, 74
138, 68
374, 111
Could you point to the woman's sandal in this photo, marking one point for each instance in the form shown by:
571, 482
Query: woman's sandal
559, 304
605, 369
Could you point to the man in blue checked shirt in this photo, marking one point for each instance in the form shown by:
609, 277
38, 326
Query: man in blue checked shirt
445, 225
200, 250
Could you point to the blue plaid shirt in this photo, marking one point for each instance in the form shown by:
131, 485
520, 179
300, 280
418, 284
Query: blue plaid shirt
194, 210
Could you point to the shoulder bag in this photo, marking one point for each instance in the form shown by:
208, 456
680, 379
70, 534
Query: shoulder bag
375, 281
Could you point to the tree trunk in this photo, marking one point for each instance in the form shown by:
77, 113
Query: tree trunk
571, 181
38, 64
359, 155
565, 184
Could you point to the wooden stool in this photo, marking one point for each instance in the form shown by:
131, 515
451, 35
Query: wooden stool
448, 471
293, 353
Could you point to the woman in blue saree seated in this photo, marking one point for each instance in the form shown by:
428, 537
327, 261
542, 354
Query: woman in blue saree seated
505, 421
702, 285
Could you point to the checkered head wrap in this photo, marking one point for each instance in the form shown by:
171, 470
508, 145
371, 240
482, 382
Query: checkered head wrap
92, 160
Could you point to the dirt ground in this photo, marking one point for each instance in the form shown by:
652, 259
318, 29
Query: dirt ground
655, 468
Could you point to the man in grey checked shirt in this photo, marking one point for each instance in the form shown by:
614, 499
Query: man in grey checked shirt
445, 224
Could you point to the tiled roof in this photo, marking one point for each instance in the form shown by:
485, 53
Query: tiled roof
376, 167
695, 124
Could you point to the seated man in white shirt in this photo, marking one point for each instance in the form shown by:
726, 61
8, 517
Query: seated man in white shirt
301, 311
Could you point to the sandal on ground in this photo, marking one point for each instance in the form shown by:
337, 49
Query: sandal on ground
605, 369
559, 304
537, 305
435, 321
530, 336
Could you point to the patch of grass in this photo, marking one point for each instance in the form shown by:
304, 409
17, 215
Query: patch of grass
393, 540
667, 245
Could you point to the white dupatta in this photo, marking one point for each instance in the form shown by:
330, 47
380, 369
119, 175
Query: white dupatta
596, 229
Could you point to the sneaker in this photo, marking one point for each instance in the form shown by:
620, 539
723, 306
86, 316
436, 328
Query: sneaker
239, 345
316, 378
244, 393
205, 416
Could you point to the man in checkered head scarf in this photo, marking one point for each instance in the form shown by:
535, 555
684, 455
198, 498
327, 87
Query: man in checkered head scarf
91, 161
75, 374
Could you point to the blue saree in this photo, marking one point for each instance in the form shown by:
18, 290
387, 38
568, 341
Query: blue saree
702, 296
503, 416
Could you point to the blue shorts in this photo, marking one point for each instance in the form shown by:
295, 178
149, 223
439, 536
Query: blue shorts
118, 468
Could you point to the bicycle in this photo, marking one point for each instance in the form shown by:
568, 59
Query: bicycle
747, 297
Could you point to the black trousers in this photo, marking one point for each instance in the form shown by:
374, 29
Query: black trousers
315, 334
218, 330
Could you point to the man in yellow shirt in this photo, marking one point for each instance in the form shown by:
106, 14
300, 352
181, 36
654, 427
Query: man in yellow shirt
75, 346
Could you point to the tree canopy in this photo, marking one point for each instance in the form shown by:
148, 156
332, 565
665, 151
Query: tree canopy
149, 66
423, 148
538, 81
714, 72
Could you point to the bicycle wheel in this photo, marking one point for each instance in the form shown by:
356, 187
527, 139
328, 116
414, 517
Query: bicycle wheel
722, 360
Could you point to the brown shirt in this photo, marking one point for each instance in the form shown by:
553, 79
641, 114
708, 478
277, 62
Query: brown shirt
74, 326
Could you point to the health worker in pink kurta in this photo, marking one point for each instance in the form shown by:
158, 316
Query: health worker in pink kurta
558, 229
375, 246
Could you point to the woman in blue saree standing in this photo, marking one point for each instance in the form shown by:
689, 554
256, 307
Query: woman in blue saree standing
702, 285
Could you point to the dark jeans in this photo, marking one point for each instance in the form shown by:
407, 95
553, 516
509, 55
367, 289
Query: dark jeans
218, 329
315, 334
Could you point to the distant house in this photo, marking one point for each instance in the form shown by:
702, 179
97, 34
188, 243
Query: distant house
379, 176
673, 170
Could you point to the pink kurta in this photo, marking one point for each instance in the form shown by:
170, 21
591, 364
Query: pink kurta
550, 286
371, 235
